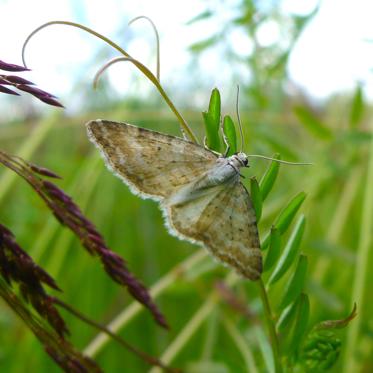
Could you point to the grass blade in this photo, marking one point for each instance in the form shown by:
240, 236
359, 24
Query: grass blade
357, 107
203, 44
265, 349
360, 282
199, 17
312, 123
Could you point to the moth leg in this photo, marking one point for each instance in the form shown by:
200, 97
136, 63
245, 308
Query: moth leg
185, 137
226, 150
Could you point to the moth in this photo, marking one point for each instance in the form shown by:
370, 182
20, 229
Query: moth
199, 191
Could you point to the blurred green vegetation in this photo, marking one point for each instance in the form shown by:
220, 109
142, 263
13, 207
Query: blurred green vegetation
334, 135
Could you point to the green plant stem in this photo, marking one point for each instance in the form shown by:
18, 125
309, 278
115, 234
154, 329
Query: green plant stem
211, 335
142, 355
361, 268
241, 344
271, 326
98, 343
191, 327
183, 124
194, 323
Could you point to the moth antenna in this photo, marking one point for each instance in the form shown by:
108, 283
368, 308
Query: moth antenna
238, 117
156, 34
280, 161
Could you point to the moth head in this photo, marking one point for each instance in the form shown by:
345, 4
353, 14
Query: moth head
242, 158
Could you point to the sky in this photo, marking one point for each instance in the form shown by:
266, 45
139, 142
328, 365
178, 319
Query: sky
332, 55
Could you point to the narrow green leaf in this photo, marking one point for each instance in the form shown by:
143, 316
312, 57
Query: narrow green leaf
269, 177
279, 145
301, 323
287, 318
274, 249
357, 107
202, 45
256, 197
278, 68
286, 216
246, 16
212, 121
296, 283
215, 108
265, 349
199, 17
212, 136
356, 136
229, 131
312, 123
290, 251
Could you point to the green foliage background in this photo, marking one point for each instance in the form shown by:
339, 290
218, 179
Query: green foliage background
334, 135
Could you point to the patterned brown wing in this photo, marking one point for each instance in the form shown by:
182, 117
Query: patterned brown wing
225, 223
151, 163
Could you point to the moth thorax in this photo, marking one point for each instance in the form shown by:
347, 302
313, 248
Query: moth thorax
240, 159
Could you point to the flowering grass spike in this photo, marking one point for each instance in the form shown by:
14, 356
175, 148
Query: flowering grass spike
24, 85
69, 214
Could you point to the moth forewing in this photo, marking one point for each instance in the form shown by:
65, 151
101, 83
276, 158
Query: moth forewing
151, 163
200, 193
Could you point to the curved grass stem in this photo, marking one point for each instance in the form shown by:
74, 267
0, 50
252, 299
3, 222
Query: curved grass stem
158, 48
271, 326
184, 125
